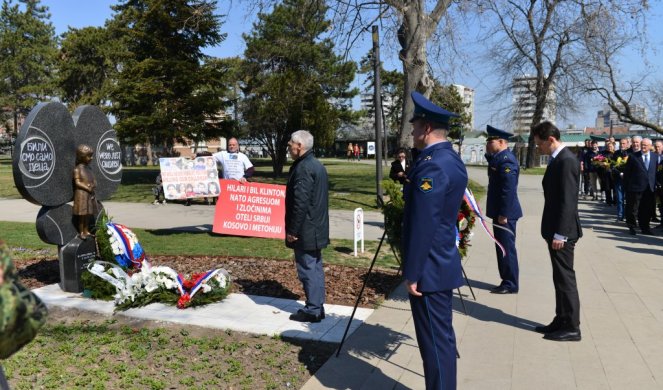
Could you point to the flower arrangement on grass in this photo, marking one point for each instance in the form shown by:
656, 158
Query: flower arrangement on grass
126, 276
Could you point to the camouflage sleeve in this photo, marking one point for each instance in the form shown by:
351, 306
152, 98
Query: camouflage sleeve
6, 264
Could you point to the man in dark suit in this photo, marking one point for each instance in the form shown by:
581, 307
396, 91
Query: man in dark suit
622, 153
502, 206
658, 147
639, 184
560, 227
400, 167
431, 261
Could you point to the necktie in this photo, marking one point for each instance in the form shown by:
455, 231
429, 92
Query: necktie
647, 160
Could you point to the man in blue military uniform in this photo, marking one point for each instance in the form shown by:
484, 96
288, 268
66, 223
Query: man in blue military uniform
431, 261
502, 206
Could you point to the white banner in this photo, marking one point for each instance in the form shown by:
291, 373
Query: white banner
370, 148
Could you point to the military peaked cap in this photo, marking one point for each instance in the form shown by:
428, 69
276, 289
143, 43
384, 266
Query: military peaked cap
425, 109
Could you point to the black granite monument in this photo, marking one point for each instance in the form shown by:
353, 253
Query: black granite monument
43, 167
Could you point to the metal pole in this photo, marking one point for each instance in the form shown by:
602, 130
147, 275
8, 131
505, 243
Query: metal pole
377, 111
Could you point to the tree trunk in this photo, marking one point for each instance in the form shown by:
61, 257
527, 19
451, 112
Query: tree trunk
412, 36
278, 161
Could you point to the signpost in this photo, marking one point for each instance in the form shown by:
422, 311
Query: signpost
358, 222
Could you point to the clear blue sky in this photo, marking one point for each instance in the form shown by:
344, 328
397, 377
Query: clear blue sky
82, 13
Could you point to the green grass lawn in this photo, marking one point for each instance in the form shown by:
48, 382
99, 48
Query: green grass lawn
24, 243
351, 184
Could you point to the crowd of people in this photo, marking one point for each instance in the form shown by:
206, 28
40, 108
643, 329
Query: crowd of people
627, 176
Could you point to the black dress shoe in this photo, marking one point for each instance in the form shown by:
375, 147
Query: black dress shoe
563, 335
554, 326
631, 231
647, 232
502, 290
302, 316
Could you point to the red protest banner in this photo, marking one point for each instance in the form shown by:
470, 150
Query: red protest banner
250, 209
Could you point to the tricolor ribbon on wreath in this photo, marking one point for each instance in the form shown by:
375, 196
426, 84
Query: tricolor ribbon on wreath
474, 206
189, 288
126, 248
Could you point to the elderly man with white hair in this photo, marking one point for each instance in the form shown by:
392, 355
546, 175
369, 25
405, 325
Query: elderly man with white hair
307, 222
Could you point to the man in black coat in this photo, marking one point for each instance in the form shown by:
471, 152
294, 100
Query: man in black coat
658, 147
307, 222
560, 227
639, 184
399, 167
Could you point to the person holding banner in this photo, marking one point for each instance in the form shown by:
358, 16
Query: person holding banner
235, 164
307, 222
502, 206
560, 227
431, 261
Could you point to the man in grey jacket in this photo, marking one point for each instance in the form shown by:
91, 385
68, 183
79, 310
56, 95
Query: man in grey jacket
307, 222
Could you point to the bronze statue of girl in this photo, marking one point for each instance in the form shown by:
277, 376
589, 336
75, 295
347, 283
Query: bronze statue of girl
85, 203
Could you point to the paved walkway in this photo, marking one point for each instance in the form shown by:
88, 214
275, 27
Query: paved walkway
193, 218
620, 280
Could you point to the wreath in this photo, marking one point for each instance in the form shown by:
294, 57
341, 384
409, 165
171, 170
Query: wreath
393, 220
124, 274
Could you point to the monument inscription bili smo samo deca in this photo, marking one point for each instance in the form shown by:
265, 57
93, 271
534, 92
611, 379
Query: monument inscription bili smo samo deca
46, 173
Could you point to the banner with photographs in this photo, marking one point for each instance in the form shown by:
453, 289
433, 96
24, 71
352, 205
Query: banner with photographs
189, 178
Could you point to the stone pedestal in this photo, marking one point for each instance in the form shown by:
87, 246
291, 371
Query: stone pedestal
73, 258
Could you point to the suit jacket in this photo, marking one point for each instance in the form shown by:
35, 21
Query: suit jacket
659, 171
432, 198
503, 186
560, 190
396, 168
637, 177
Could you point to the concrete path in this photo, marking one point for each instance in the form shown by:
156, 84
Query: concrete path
239, 312
620, 279
192, 218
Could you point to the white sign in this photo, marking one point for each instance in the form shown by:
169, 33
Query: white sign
358, 222
370, 148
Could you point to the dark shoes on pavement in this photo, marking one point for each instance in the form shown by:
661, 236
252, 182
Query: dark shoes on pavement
502, 290
564, 335
558, 331
302, 316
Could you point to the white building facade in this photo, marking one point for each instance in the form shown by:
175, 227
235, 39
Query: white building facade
467, 94
524, 102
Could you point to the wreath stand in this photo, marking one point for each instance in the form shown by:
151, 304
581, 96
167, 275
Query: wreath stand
368, 274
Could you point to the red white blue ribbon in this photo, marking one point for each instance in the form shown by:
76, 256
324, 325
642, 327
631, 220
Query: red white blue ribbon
197, 285
119, 232
474, 206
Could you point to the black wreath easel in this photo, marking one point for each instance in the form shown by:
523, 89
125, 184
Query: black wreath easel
368, 274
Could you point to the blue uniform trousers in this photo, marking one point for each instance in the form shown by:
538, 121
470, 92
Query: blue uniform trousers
507, 265
435, 336
310, 273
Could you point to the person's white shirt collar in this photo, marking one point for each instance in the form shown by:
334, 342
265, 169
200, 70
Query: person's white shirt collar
556, 151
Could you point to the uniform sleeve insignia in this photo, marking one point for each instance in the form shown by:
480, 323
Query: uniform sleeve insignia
507, 169
426, 184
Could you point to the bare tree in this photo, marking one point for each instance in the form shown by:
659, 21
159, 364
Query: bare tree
414, 23
605, 42
545, 39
